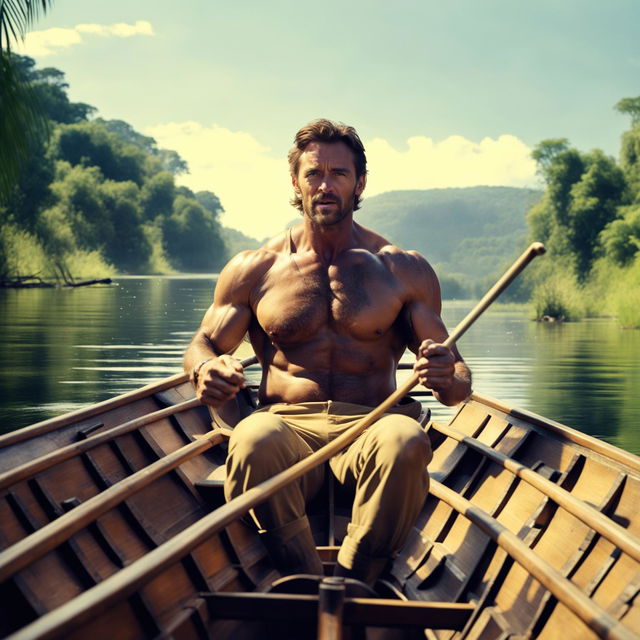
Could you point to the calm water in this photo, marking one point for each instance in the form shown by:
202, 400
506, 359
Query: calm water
64, 349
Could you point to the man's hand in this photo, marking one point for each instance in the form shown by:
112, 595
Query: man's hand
435, 366
219, 380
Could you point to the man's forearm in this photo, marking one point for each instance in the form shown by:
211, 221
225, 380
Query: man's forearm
460, 388
199, 350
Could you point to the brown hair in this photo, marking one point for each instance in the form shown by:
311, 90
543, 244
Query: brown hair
323, 130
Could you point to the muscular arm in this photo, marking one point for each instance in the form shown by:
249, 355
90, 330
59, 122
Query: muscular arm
439, 368
223, 327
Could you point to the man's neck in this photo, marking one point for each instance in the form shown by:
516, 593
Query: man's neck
328, 241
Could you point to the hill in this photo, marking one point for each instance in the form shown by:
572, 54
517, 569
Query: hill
469, 231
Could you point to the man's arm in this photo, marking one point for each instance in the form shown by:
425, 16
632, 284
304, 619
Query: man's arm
216, 375
439, 368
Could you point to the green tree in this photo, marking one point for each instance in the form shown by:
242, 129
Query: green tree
21, 120
192, 237
630, 106
91, 144
127, 247
168, 160
582, 197
158, 194
621, 238
630, 160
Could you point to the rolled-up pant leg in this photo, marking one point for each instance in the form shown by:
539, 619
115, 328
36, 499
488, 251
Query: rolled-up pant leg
388, 465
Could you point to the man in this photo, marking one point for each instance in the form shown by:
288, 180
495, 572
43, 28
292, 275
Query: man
330, 307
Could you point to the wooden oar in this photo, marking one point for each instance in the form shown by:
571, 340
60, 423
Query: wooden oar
31, 467
124, 583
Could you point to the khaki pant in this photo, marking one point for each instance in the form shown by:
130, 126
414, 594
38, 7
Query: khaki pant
385, 467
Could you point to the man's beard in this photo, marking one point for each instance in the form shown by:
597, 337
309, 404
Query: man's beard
336, 216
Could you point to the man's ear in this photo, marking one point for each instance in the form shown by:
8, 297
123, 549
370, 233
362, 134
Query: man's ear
294, 182
361, 184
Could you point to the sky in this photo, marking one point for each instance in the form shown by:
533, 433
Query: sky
443, 94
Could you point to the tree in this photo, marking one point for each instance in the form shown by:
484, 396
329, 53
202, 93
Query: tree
630, 106
630, 160
621, 238
546, 152
158, 194
169, 160
192, 237
91, 144
128, 247
584, 191
21, 119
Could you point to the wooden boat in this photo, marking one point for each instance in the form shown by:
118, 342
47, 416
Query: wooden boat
112, 525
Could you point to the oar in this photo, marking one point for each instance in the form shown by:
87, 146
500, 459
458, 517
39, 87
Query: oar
124, 583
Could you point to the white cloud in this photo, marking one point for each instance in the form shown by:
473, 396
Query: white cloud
255, 188
453, 162
49, 41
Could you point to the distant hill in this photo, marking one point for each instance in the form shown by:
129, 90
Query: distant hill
237, 241
469, 231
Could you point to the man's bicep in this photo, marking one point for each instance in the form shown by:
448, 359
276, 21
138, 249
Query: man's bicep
227, 320
224, 326
425, 324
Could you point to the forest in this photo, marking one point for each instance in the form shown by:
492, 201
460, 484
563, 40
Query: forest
95, 198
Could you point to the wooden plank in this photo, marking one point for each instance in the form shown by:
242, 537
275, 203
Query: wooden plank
357, 611
567, 433
584, 512
52, 424
568, 593
50, 536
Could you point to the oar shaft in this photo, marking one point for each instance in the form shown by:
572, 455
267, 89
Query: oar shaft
535, 249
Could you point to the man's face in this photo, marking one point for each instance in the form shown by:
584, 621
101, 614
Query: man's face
327, 183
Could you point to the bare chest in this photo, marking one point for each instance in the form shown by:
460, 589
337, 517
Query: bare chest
302, 298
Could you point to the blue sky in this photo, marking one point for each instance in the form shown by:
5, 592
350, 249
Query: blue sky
443, 93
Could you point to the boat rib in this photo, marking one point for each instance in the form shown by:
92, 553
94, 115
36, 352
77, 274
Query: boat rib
584, 512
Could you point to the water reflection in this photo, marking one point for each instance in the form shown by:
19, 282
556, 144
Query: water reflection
63, 349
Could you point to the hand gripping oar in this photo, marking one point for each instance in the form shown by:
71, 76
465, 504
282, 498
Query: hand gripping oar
122, 584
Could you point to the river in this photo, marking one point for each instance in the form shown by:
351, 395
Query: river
62, 349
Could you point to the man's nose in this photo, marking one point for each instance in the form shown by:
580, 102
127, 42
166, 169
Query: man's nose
326, 185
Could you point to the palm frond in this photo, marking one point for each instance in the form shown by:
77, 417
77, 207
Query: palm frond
22, 123
16, 16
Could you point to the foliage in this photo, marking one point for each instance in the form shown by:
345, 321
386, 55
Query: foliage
192, 237
584, 191
99, 195
589, 218
558, 296
22, 124
632, 107
630, 160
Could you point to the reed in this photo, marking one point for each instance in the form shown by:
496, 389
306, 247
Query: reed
558, 296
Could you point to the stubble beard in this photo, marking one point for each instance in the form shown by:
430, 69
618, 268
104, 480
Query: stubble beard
330, 219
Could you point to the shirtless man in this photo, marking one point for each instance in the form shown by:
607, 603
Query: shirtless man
330, 307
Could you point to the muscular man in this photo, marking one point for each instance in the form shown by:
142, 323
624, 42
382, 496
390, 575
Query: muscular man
330, 307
